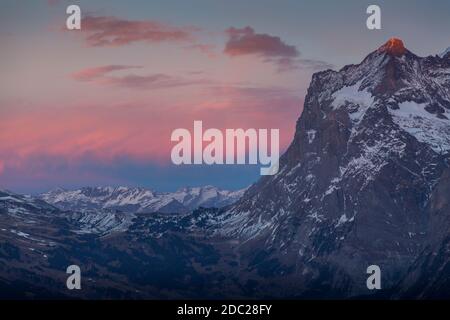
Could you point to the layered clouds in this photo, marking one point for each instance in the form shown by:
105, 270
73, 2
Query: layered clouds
269, 48
103, 31
102, 76
132, 83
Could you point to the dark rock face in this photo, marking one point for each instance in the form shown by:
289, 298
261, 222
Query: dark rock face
366, 181
361, 181
429, 276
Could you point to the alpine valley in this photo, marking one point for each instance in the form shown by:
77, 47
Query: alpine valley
365, 181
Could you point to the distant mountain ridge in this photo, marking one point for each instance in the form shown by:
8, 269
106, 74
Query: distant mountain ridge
138, 200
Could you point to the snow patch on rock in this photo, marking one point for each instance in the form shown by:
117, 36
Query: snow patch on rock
426, 127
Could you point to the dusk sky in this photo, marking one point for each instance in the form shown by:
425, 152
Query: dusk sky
97, 106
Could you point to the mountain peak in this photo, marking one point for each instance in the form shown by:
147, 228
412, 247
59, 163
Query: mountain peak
446, 52
394, 47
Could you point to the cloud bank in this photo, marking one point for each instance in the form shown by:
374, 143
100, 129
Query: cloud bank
101, 75
109, 31
272, 49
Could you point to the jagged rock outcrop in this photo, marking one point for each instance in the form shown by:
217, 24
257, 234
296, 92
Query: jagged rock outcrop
362, 181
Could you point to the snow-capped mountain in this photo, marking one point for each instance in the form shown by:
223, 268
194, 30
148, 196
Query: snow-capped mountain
138, 200
360, 183
27, 211
446, 51
366, 181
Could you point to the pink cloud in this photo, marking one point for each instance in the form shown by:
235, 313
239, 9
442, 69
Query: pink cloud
139, 130
103, 31
100, 75
270, 48
245, 41
153, 81
89, 74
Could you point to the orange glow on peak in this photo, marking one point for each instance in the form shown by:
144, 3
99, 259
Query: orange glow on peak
394, 47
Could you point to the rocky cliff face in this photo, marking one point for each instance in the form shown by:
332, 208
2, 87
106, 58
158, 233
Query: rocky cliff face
363, 180
366, 181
